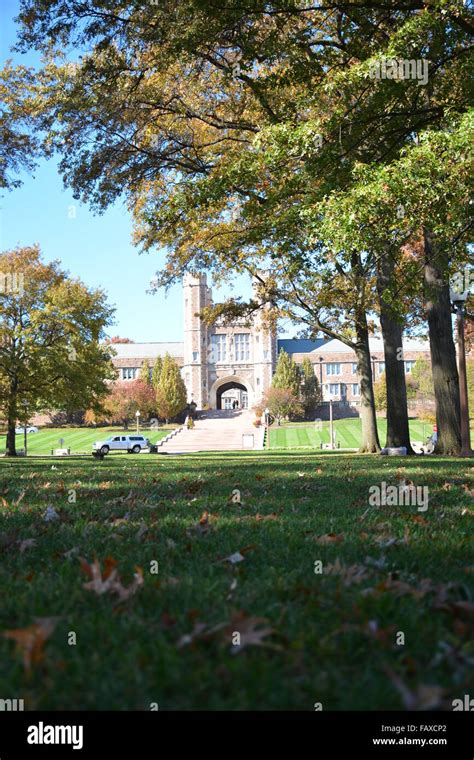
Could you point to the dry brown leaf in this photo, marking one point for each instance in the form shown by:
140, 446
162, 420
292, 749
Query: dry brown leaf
349, 573
30, 641
252, 630
200, 632
202, 526
329, 538
109, 581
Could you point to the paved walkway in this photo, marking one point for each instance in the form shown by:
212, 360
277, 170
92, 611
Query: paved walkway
215, 431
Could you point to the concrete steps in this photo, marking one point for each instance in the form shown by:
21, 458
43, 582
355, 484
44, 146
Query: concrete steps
216, 431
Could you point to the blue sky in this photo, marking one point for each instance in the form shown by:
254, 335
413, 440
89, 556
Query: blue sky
97, 249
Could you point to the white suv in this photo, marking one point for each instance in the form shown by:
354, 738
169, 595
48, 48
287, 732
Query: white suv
131, 443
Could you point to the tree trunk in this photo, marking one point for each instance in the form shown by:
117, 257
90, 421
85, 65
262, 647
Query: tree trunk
398, 433
370, 439
11, 425
442, 350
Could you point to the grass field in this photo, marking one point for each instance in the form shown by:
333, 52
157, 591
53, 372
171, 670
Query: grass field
348, 432
79, 440
306, 637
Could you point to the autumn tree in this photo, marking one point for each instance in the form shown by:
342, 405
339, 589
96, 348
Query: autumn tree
20, 145
117, 339
128, 397
234, 123
51, 327
282, 403
287, 374
171, 393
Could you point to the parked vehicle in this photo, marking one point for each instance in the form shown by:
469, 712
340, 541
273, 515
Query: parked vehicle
29, 429
133, 444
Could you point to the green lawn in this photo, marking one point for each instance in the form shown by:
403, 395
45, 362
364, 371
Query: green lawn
79, 440
307, 435
327, 637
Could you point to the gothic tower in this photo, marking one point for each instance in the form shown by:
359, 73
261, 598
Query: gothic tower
265, 346
196, 295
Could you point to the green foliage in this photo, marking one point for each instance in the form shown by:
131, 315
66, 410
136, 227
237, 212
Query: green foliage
171, 392
287, 374
51, 356
145, 375
423, 380
380, 393
311, 393
156, 372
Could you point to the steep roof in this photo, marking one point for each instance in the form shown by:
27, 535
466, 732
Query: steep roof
299, 345
147, 350
303, 346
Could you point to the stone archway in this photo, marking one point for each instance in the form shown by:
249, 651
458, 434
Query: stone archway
227, 383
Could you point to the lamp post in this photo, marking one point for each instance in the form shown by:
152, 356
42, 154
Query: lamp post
331, 424
458, 298
137, 415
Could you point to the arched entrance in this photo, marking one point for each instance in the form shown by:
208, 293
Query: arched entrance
232, 395
227, 390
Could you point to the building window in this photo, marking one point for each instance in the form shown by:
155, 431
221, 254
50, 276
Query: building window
354, 368
333, 369
242, 347
195, 356
333, 389
129, 373
218, 348
265, 354
355, 389
381, 368
408, 367
258, 381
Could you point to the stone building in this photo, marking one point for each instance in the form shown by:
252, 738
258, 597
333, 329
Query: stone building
225, 365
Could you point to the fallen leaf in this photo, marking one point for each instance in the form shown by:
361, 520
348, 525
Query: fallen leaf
30, 641
202, 526
329, 538
200, 631
252, 632
349, 574
109, 581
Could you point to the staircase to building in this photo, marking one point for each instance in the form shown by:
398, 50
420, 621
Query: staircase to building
217, 430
